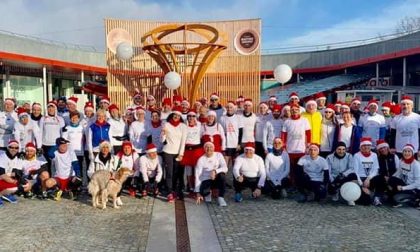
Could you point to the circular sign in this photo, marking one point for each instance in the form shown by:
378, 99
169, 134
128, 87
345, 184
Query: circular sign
247, 41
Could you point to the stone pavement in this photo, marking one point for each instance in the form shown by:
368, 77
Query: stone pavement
253, 225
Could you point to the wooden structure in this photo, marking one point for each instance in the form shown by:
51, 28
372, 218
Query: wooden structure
224, 69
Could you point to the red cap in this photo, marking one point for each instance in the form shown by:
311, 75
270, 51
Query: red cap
276, 108
293, 95
89, 105
330, 107
177, 110
373, 102
12, 142
105, 99
73, 100
406, 98
381, 143
387, 105
30, 145
396, 109
249, 145
113, 106
52, 103
127, 143
167, 101
151, 148
214, 96
248, 101
177, 98
409, 146
320, 96
365, 141
22, 112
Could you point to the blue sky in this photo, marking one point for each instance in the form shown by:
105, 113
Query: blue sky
285, 23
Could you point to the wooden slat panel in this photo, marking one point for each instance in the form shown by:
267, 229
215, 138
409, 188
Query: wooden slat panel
231, 75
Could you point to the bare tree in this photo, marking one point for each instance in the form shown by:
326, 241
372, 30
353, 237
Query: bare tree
408, 25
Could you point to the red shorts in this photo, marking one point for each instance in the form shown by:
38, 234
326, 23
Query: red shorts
6, 185
63, 183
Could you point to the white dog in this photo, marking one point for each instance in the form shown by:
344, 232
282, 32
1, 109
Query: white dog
104, 185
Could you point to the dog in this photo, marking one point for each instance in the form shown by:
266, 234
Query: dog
105, 184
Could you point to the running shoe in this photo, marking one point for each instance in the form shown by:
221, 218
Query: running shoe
10, 198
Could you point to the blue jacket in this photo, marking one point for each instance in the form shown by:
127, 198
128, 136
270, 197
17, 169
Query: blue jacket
100, 132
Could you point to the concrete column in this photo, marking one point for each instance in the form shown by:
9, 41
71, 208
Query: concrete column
377, 74
6, 87
44, 84
50, 91
82, 79
404, 72
298, 78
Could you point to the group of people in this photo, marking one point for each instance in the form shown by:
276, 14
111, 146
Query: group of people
281, 149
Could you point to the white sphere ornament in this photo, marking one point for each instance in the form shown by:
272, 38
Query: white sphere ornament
172, 80
350, 191
283, 73
125, 51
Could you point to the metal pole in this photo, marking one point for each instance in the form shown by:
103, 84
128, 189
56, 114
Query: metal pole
82, 79
298, 78
404, 72
50, 91
377, 74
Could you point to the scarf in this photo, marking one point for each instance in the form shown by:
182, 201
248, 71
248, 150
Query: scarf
156, 124
365, 154
173, 123
277, 152
294, 117
36, 118
100, 123
103, 159
409, 160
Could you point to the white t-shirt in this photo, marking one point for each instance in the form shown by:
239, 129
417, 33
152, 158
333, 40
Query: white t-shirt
150, 168
365, 167
314, 167
205, 165
371, 125
9, 164
248, 125
296, 134
61, 164
193, 134
231, 125
407, 130
75, 136
250, 167
138, 136
345, 135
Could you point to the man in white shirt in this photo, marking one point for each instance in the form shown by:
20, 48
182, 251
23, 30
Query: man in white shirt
8, 118
210, 173
248, 172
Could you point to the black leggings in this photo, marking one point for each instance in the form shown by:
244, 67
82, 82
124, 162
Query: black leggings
219, 183
275, 190
174, 173
402, 196
251, 183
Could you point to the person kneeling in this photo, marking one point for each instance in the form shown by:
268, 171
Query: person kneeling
151, 171
66, 171
277, 166
248, 171
312, 174
210, 173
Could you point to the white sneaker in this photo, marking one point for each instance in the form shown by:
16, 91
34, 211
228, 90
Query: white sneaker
351, 203
283, 193
377, 201
336, 197
208, 198
221, 201
119, 202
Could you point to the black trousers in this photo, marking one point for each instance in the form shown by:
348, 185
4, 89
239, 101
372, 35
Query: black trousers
304, 183
174, 173
150, 185
218, 183
402, 196
259, 149
251, 183
275, 190
335, 185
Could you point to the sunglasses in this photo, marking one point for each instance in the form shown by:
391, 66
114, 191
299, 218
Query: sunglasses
327, 112
191, 116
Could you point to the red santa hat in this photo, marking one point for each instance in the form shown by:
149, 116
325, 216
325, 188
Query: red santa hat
409, 147
231, 102
89, 106
248, 101
151, 147
52, 103
36, 105
150, 98
214, 96
105, 99
177, 110
30, 145
185, 103
240, 99
276, 108
387, 105
191, 112
396, 109
320, 96
406, 98
293, 95
72, 100
22, 112
113, 106
356, 100
167, 101
176, 98
272, 98
365, 141
313, 145
294, 105
140, 108
311, 102
249, 146
345, 106
373, 102
212, 113
127, 143
330, 107
9, 100
381, 144
12, 142
338, 104
208, 143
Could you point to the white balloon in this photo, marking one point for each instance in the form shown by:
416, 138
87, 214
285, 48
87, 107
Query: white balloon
172, 80
350, 191
124, 51
283, 73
